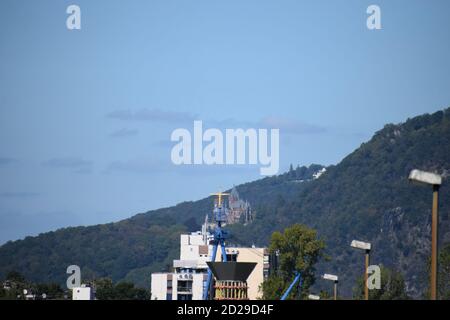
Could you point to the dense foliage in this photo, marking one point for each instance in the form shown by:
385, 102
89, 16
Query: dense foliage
15, 287
297, 250
392, 287
366, 196
106, 290
443, 286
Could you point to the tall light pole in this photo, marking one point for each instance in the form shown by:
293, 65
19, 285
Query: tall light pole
366, 247
333, 278
434, 180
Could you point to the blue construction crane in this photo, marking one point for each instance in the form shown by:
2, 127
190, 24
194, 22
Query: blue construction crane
298, 278
219, 216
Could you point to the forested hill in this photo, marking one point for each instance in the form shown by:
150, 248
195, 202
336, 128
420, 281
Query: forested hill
132, 248
366, 196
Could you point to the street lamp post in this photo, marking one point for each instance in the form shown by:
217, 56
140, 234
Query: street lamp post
366, 247
333, 278
366, 276
434, 180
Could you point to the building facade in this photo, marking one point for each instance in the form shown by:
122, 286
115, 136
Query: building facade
187, 281
82, 293
238, 209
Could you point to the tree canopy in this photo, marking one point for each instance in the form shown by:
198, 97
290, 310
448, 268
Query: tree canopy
297, 250
392, 287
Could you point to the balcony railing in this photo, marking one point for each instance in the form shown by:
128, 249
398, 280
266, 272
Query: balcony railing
184, 289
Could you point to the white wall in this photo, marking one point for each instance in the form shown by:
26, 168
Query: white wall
189, 247
81, 293
159, 286
256, 278
197, 286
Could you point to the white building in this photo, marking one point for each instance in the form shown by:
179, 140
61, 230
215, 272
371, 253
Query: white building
82, 293
189, 275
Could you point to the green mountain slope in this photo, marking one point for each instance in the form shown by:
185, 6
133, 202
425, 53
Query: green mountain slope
129, 249
366, 196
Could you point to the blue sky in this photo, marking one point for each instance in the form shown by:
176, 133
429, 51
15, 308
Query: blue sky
86, 115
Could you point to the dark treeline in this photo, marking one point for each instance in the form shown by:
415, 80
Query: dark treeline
16, 287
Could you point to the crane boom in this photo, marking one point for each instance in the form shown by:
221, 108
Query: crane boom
298, 278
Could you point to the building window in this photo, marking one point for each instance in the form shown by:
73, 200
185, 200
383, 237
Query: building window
169, 284
169, 296
184, 286
231, 257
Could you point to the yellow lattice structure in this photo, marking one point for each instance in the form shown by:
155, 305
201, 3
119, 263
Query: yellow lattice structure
230, 290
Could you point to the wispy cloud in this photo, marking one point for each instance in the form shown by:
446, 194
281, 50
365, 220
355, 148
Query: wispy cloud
151, 115
124, 133
139, 165
78, 165
147, 166
286, 125
18, 194
6, 161
290, 126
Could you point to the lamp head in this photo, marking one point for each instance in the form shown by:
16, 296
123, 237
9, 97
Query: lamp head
331, 277
361, 245
424, 177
